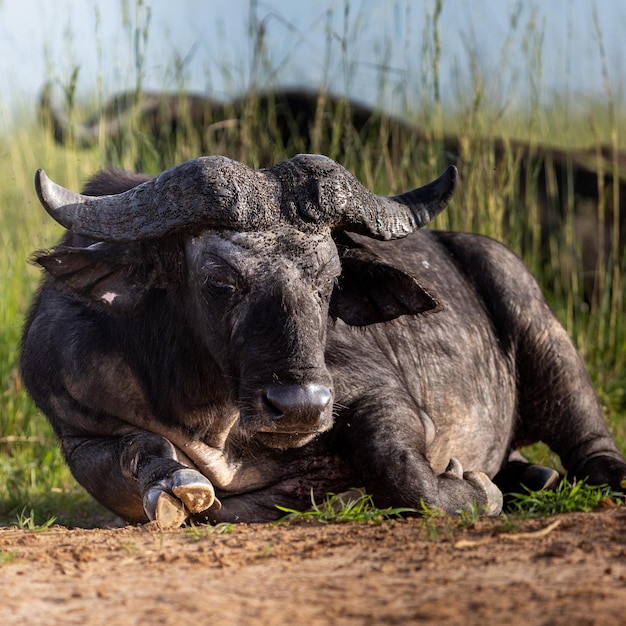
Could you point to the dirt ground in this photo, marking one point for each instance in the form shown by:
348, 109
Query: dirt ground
568, 569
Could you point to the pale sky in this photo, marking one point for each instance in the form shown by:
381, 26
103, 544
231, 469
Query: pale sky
521, 48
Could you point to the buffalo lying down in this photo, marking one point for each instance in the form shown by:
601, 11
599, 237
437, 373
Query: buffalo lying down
212, 342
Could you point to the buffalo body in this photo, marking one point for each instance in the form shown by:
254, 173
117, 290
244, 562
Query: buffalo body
216, 367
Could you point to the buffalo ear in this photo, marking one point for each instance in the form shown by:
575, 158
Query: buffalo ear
114, 277
369, 292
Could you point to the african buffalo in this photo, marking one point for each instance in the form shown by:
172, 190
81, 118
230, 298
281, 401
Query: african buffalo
220, 340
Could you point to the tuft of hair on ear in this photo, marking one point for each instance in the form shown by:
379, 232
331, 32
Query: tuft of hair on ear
112, 181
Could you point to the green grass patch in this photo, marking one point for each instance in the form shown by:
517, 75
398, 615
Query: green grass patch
352, 506
8, 556
28, 521
568, 497
199, 532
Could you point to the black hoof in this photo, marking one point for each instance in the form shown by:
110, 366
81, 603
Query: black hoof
520, 477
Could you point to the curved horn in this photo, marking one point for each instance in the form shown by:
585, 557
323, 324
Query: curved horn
414, 209
209, 191
326, 192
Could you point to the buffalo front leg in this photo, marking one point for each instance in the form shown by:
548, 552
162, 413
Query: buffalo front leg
139, 477
387, 456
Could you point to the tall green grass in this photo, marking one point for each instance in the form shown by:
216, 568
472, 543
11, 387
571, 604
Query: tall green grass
33, 476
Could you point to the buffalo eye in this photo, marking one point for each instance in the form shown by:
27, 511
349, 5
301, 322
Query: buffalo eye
221, 279
220, 285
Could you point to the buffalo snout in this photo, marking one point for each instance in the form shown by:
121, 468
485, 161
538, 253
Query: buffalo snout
290, 415
298, 404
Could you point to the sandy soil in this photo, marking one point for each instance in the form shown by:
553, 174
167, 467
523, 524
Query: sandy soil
569, 569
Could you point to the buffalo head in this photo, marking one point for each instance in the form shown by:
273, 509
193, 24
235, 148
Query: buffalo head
250, 265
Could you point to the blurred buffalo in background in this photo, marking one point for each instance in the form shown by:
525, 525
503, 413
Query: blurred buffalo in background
574, 192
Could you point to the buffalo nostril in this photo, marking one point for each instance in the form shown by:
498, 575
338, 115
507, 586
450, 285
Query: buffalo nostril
298, 401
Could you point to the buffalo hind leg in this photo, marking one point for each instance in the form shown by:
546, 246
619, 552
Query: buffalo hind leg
556, 401
558, 405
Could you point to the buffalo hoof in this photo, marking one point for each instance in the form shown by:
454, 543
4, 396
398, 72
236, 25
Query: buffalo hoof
164, 509
538, 477
194, 490
493, 496
173, 499
521, 476
491, 500
455, 468
604, 470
